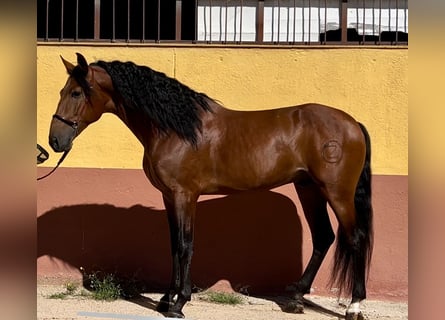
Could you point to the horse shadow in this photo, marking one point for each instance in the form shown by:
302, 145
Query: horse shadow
251, 240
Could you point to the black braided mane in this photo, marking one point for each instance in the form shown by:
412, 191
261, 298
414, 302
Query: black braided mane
163, 101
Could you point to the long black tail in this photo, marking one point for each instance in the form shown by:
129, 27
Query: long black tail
351, 262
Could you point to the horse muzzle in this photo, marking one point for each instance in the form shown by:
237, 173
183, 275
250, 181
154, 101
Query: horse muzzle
60, 145
62, 134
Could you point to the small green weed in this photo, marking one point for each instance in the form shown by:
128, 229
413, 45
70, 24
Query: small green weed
224, 298
105, 288
102, 288
70, 289
58, 295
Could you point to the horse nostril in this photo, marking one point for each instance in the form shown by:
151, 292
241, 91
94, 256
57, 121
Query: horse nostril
54, 143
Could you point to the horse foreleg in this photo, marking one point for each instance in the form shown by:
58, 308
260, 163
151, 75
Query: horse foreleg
314, 207
182, 215
167, 300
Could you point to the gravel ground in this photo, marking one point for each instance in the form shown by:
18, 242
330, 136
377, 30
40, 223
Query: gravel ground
77, 306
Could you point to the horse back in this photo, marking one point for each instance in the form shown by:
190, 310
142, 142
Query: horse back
268, 148
245, 150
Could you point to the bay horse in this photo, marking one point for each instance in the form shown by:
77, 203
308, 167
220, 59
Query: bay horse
193, 146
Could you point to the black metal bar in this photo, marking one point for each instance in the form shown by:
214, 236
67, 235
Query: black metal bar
397, 21
158, 35
356, 18
310, 18
405, 18
221, 23
210, 21
61, 19
344, 21
364, 21
196, 20
178, 20
128, 20
325, 19
279, 21
113, 36
96, 19
143, 21
380, 21
260, 22
205, 23
241, 22
47, 21
225, 23
77, 21
273, 21
288, 25
234, 25
319, 16
373, 18
302, 21
389, 15
295, 20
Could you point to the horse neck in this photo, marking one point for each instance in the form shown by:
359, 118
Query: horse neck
114, 105
143, 130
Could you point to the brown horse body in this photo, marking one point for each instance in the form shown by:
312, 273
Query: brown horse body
322, 150
229, 157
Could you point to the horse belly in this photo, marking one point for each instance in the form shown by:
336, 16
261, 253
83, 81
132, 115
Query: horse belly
256, 171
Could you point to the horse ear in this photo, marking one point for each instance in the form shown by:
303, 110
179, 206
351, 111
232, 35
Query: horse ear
82, 62
68, 65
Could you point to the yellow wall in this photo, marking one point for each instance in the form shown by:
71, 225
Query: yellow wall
369, 83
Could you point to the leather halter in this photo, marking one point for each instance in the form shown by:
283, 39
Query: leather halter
72, 124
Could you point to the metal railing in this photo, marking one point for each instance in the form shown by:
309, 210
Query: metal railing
225, 21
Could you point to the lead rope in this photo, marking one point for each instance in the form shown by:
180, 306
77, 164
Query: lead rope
58, 163
72, 124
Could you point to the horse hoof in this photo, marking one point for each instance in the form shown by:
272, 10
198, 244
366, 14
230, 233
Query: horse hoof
163, 306
294, 307
174, 314
354, 316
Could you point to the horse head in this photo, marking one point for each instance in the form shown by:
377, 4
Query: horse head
84, 98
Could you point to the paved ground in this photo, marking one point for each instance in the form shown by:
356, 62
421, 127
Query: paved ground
143, 308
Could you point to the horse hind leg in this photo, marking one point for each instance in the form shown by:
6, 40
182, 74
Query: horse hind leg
315, 211
353, 247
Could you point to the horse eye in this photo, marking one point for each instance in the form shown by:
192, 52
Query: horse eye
76, 94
